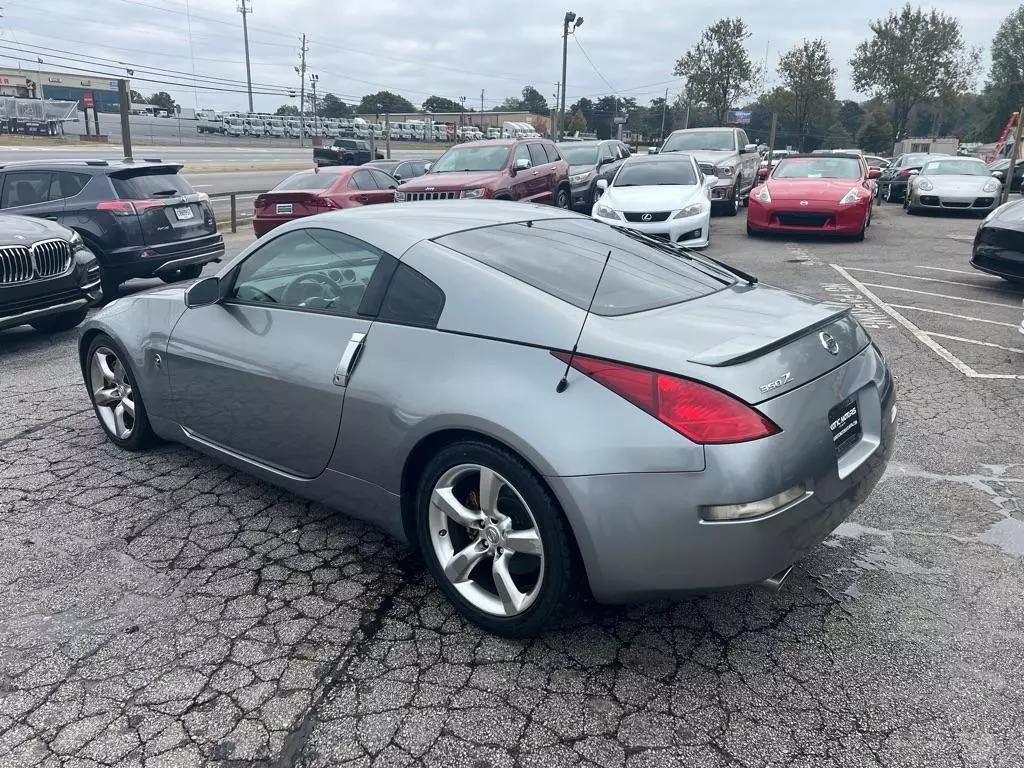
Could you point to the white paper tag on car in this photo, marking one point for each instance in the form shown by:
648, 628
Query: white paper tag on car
184, 213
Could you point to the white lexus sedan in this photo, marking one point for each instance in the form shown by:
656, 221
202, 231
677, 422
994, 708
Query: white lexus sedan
665, 196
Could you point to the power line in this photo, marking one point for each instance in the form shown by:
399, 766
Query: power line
591, 62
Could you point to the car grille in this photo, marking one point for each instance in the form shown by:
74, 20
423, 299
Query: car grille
955, 204
412, 196
647, 217
983, 202
803, 219
47, 258
929, 200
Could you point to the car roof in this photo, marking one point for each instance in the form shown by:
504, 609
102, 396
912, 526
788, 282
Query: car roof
722, 128
587, 143
495, 142
396, 227
668, 157
89, 165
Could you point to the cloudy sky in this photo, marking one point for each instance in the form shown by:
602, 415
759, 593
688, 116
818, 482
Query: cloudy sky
452, 48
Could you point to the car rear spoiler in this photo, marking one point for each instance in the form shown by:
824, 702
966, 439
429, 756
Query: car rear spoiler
751, 345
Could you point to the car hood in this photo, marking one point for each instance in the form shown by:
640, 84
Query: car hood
825, 190
456, 180
25, 230
708, 155
957, 185
661, 198
574, 169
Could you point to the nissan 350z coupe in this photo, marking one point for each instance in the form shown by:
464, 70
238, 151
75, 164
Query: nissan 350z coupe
434, 369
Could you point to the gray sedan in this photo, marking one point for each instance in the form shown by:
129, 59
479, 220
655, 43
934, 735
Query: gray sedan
953, 183
533, 399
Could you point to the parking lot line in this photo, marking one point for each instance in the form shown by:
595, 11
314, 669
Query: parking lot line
939, 295
973, 341
920, 335
932, 279
946, 269
953, 314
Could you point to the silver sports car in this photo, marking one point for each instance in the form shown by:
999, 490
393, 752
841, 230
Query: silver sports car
953, 183
534, 399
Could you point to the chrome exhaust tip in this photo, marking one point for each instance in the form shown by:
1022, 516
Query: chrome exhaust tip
774, 583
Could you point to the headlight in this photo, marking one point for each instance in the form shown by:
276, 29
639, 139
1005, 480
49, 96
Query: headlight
690, 210
76, 241
925, 186
605, 212
724, 171
468, 194
579, 178
399, 196
990, 186
851, 197
762, 194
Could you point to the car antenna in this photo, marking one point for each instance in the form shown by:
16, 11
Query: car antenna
563, 384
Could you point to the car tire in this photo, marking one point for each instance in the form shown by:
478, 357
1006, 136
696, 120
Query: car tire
733, 206
111, 286
185, 273
751, 232
474, 556
563, 198
65, 321
110, 387
888, 194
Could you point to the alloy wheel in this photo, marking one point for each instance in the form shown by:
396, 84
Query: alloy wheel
112, 392
562, 201
486, 540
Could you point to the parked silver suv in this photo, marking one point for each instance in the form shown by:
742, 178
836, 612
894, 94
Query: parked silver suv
725, 153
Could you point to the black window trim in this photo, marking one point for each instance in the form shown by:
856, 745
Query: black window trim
360, 313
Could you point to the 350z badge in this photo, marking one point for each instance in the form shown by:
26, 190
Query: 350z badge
779, 382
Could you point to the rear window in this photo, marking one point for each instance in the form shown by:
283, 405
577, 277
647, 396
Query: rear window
150, 184
564, 257
307, 180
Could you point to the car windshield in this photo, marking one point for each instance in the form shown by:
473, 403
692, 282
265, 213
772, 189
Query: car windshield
307, 180
818, 168
706, 140
472, 159
655, 174
914, 160
956, 168
579, 155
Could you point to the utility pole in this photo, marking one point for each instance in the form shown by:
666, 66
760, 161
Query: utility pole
481, 108
387, 134
554, 112
1014, 155
462, 114
123, 93
301, 71
664, 109
570, 18
245, 10
316, 118
771, 140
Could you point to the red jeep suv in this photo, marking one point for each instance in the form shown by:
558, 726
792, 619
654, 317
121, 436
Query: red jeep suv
529, 170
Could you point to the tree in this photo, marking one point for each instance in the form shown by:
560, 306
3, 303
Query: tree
534, 102
875, 137
441, 104
136, 98
851, 115
384, 101
837, 137
717, 69
332, 106
287, 110
162, 100
577, 122
807, 73
585, 107
912, 57
512, 104
1004, 89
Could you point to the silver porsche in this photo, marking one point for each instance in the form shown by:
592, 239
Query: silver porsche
535, 400
953, 183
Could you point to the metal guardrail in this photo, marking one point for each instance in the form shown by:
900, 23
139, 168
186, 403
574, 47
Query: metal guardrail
234, 202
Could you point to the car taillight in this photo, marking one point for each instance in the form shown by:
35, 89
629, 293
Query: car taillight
324, 202
701, 413
127, 207
260, 202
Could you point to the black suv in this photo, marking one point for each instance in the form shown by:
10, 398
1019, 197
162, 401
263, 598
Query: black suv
48, 278
141, 218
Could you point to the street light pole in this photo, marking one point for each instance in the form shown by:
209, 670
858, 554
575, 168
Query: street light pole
570, 19
245, 10
316, 116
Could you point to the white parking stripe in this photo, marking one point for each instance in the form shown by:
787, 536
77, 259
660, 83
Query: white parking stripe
944, 269
973, 341
933, 280
942, 295
953, 314
920, 335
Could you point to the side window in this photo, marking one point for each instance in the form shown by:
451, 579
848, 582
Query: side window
607, 153
362, 180
537, 154
315, 269
25, 188
624, 151
551, 152
383, 180
741, 137
412, 299
522, 153
67, 184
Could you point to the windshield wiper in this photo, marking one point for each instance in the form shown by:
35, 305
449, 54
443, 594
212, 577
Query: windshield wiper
165, 193
680, 252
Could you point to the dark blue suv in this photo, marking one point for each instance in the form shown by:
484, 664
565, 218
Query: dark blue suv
141, 218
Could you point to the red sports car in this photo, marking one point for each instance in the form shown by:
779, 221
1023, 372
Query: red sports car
317, 191
814, 194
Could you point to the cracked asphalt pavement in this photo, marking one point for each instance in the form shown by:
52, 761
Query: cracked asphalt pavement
161, 609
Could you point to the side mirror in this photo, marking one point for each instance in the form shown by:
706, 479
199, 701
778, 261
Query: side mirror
710, 181
426, 167
874, 173
203, 293
521, 164
999, 175
913, 172
652, 150
762, 174
398, 177
602, 184
749, 148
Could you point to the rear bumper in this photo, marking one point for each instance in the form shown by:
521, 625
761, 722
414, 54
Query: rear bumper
1001, 262
642, 536
153, 260
846, 220
263, 224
